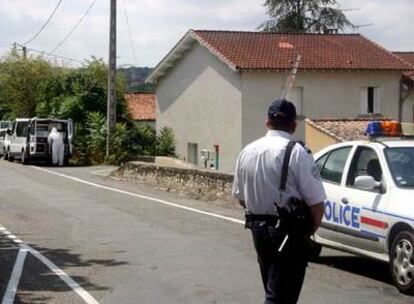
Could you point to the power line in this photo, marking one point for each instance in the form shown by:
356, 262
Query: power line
75, 27
45, 24
134, 55
52, 55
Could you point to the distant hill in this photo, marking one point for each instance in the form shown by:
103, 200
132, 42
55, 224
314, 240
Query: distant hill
134, 78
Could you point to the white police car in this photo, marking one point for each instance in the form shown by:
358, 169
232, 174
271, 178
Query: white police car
370, 205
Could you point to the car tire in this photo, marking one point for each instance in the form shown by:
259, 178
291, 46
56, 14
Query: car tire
5, 155
402, 262
9, 157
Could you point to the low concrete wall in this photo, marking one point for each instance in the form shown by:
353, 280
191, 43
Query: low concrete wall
196, 183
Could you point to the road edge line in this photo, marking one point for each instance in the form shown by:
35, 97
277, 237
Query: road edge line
226, 218
15, 276
86, 296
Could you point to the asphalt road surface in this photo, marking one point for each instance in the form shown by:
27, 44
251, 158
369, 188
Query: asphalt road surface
73, 235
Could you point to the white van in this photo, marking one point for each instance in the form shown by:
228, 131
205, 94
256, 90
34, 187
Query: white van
4, 125
27, 139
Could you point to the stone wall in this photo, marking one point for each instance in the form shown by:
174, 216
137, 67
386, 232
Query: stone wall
196, 183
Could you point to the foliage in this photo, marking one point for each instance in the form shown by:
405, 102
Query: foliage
96, 134
166, 142
304, 16
142, 88
75, 93
20, 79
34, 87
135, 77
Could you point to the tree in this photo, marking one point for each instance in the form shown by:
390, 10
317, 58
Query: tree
304, 16
20, 79
73, 93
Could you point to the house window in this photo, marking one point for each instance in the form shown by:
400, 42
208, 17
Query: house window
370, 101
192, 153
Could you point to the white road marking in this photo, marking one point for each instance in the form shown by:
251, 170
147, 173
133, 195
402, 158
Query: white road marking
15, 278
226, 218
24, 249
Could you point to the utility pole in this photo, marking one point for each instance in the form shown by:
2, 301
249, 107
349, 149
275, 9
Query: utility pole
111, 103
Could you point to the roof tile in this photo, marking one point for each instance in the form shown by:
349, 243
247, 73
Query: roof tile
141, 106
264, 50
344, 129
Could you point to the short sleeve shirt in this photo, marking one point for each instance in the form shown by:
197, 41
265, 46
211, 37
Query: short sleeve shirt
259, 169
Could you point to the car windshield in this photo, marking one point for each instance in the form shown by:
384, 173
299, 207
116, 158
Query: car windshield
5, 124
401, 163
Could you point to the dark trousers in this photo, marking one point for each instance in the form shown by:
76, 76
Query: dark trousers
282, 273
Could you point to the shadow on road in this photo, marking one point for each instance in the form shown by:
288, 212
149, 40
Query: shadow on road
38, 283
362, 266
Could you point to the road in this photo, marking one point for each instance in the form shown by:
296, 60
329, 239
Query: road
73, 235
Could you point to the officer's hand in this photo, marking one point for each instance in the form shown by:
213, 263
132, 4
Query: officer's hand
317, 212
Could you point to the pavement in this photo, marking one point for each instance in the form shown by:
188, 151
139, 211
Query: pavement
75, 235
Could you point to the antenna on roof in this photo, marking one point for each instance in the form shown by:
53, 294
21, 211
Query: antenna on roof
351, 9
291, 77
357, 26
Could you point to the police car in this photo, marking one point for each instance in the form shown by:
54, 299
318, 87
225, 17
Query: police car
370, 205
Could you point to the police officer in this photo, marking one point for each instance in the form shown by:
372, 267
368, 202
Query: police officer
256, 186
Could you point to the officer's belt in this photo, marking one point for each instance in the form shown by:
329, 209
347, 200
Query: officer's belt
269, 218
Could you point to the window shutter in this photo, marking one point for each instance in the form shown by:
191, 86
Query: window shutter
377, 101
363, 101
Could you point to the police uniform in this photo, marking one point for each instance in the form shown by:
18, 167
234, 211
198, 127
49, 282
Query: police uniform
256, 182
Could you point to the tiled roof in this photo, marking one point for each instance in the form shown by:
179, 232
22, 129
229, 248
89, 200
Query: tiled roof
343, 129
141, 106
264, 50
409, 57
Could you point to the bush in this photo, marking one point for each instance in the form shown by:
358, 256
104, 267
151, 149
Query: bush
166, 143
119, 149
96, 135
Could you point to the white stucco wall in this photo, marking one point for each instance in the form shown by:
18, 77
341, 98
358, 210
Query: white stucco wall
408, 109
327, 94
200, 99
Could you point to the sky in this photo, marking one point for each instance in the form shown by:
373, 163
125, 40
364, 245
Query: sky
157, 25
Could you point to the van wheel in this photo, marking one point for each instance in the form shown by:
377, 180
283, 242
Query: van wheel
402, 262
5, 155
9, 157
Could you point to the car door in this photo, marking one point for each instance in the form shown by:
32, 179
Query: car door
13, 137
369, 229
332, 166
19, 137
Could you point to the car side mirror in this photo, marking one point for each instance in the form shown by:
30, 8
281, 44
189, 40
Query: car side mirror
366, 182
8, 131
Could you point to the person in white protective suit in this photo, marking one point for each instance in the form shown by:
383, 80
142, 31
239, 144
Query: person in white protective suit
55, 141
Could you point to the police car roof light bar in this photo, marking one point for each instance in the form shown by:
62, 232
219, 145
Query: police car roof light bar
388, 129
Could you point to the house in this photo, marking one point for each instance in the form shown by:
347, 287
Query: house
142, 108
407, 88
321, 133
214, 87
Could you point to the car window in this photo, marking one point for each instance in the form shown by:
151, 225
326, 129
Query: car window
321, 161
13, 127
22, 128
401, 164
332, 167
364, 163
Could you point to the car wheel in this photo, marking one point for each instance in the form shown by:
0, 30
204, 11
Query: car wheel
5, 155
402, 262
9, 157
